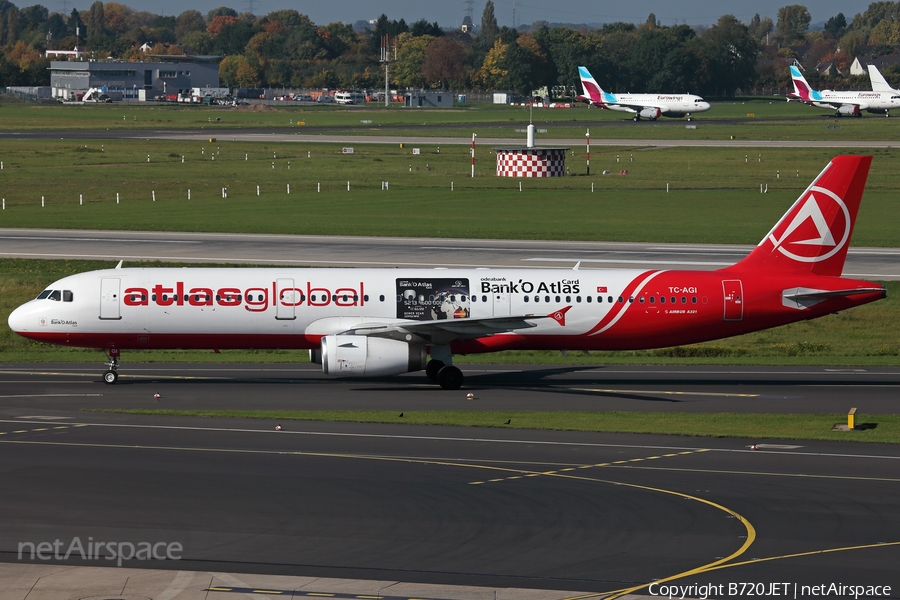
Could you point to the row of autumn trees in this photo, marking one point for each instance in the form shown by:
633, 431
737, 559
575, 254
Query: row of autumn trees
286, 49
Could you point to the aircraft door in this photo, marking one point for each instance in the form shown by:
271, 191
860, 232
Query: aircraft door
501, 302
287, 301
734, 300
109, 298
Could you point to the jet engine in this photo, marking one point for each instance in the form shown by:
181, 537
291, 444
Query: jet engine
364, 356
848, 109
649, 113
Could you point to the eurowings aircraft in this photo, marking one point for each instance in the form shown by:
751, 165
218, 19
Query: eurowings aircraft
643, 106
879, 83
843, 103
373, 322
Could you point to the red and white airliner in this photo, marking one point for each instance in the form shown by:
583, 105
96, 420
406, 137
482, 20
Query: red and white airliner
373, 322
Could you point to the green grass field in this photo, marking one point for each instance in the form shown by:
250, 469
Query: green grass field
769, 118
870, 428
714, 193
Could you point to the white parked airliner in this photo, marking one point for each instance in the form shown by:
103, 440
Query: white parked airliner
643, 106
843, 103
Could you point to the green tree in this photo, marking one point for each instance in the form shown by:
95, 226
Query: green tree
760, 28
793, 23
188, 22
407, 69
96, 25
730, 52
423, 27
493, 71
836, 26
222, 11
489, 28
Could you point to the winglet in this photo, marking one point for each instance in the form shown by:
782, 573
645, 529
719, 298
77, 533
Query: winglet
560, 315
119, 266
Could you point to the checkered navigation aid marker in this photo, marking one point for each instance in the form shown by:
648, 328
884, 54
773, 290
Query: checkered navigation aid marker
531, 162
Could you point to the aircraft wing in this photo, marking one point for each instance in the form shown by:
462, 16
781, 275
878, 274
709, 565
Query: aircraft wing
445, 331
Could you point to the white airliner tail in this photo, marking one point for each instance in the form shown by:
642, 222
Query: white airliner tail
879, 83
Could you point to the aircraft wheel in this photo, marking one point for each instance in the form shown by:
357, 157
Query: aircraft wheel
110, 377
432, 369
636, 119
450, 378
690, 119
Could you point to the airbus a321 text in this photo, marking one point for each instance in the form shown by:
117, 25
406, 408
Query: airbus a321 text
375, 322
642, 106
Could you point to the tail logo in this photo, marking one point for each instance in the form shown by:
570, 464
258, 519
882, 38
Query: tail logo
816, 231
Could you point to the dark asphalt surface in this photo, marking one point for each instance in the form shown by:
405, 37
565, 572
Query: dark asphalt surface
702, 388
359, 251
449, 505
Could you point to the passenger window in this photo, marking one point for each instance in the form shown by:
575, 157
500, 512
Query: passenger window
652, 299
588, 298
557, 298
43, 295
381, 298
662, 299
568, 299
621, 299
546, 298
683, 300
641, 299
484, 298
609, 299
54, 295
693, 299
577, 298
674, 299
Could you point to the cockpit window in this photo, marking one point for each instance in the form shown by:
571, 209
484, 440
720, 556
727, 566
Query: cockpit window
44, 294
67, 296
54, 295
699, 100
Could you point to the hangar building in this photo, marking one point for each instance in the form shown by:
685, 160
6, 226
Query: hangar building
138, 80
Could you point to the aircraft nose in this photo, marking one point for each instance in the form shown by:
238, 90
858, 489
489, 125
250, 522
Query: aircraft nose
18, 319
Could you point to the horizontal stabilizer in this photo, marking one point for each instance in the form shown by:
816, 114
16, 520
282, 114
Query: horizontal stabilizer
805, 297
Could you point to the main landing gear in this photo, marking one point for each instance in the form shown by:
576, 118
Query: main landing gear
440, 371
111, 376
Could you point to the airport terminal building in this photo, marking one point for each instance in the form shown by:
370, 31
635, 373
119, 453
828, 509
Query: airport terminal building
137, 80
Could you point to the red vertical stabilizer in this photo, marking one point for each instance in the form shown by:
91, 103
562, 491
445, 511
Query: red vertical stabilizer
813, 236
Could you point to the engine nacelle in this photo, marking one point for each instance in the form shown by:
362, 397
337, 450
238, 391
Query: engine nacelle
649, 113
848, 109
364, 356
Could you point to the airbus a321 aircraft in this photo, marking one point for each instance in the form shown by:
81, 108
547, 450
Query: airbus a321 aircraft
371, 322
843, 103
642, 106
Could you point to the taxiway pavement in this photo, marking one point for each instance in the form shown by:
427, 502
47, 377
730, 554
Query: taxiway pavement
347, 251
